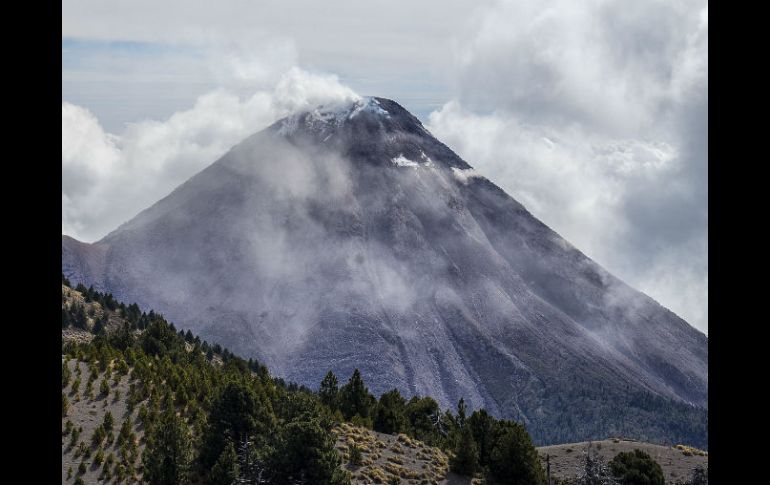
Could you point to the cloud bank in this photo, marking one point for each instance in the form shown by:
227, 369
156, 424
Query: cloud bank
109, 178
594, 115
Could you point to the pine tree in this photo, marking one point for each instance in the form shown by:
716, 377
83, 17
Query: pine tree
513, 458
225, 470
65, 375
329, 391
466, 456
98, 326
355, 398
306, 454
108, 422
425, 422
125, 430
390, 416
104, 388
236, 415
482, 425
168, 452
80, 320
461, 409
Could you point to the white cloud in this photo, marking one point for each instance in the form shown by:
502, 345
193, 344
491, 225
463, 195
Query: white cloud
107, 178
594, 116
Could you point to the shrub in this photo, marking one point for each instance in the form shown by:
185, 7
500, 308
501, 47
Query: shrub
98, 436
104, 388
76, 385
65, 375
99, 458
354, 455
108, 422
637, 468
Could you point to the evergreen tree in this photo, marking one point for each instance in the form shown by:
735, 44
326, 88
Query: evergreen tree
355, 398
65, 375
237, 415
79, 319
329, 391
305, 454
481, 425
123, 338
513, 458
424, 419
637, 468
125, 430
390, 416
108, 422
466, 455
99, 326
461, 410
104, 387
225, 470
167, 455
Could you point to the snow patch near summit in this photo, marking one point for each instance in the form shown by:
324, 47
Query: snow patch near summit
402, 161
324, 117
368, 104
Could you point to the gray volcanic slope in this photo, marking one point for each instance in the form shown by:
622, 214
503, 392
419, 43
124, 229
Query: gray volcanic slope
349, 237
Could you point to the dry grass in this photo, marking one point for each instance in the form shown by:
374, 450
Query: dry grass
691, 451
386, 457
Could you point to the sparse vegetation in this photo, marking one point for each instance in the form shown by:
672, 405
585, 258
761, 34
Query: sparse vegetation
354, 455
104, 388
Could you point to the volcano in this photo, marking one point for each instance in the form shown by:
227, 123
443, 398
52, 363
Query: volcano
349, 237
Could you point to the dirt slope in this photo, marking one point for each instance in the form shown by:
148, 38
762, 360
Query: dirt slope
677, 463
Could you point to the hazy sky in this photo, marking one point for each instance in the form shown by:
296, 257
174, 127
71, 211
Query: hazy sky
593, 114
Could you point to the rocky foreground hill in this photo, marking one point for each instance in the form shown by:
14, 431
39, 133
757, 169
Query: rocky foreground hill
122, 367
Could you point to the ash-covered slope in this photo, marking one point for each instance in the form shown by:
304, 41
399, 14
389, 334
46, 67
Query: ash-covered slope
350, 237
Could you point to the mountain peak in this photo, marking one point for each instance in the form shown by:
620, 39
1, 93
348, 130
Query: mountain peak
367, 110
376, 129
